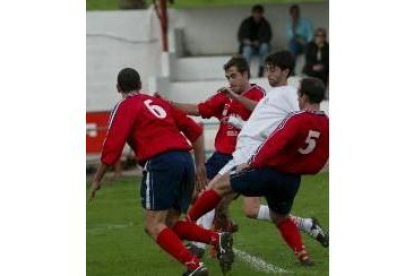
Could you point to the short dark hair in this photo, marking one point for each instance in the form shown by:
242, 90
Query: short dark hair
320, 30
283, 60
258, 8
129, 80
240, 63
294, 7
313, 88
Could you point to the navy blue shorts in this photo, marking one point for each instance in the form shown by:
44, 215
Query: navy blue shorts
168, 182
216, 162
279, 188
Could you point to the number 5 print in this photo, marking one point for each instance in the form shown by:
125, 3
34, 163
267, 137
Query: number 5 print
310, 141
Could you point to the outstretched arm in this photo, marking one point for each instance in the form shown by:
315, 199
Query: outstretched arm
190, 109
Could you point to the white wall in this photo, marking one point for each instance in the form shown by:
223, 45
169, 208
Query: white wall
118, 39
114, 40
214, 30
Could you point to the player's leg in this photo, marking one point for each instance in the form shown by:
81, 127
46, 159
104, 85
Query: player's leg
161, 179
279, 190
190, 231
253, 208
291, 235
223, 242
213, 166
167, 239
223, 221
210, 198
313, 228
282, 189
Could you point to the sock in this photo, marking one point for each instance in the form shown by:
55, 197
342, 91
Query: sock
291, 235
264, 213
192, 232
207, 201
303, 224
169, 241
205, 222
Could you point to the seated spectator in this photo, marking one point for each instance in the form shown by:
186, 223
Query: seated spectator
299, 31
254, 36
317, 57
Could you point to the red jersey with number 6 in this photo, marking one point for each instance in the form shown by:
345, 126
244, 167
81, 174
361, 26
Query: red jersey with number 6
150, 126
300, 144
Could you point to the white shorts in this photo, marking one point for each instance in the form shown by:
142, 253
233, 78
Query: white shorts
240, 155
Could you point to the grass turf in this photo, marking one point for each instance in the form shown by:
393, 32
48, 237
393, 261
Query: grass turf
117, 244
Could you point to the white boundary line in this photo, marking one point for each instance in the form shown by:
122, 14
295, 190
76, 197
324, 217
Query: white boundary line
107, 227
258, 263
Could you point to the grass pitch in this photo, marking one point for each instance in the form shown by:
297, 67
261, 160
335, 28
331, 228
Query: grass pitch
117, 244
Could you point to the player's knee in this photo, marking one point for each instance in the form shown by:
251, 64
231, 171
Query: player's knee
147, 230
152, 229
250, 212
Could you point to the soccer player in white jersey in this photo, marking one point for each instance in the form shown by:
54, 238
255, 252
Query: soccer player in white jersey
279, 101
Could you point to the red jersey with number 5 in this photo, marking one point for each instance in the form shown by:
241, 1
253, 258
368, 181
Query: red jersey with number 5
300, 144
150, 126
221, 107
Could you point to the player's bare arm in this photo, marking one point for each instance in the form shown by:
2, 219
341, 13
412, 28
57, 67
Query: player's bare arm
96, 184
201, 175
249, 104
190, 109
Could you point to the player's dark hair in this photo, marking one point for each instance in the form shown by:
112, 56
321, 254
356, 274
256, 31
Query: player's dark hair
283, 60
294, 7
129, 80
313, 88
240, 63
258, 8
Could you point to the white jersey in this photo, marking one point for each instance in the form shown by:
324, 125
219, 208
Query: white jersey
267, 115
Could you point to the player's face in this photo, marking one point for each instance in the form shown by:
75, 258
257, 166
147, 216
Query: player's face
276, 76
237, 81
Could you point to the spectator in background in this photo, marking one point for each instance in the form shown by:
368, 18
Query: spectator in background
317, 57
299, 31
254, 36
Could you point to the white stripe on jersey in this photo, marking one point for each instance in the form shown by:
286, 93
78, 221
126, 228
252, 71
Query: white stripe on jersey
114, 110
278, 128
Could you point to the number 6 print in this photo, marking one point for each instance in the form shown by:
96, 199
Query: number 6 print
157, 110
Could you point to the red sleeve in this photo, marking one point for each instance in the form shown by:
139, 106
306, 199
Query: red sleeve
257, 95
120, 125
213, 106
283, 135
188, 126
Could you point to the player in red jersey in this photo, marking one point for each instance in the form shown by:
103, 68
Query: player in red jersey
299, 145
223, 107
152, 127
232, 106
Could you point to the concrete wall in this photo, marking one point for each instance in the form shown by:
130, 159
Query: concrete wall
117, 39
214, 30
114, 40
